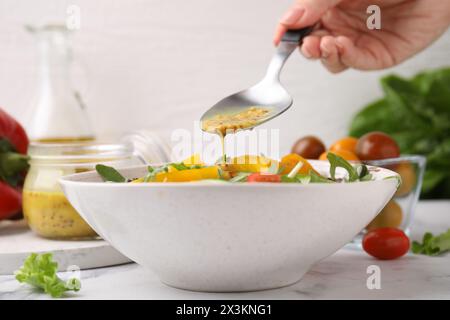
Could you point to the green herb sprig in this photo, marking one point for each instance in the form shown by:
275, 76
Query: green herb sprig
432, 245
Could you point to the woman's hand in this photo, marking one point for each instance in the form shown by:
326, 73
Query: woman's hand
342, 39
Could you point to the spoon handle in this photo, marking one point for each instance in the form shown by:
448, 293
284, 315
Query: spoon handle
297, 35
289, 42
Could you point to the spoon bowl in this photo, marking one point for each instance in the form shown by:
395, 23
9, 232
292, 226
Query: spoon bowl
264, 94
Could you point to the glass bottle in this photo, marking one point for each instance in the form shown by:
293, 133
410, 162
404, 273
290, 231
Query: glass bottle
57, 113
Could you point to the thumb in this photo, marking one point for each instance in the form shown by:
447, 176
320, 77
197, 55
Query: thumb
302, 14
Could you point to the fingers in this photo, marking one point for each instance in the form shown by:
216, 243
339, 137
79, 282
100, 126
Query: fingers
324, 48
302, 14
330, 55
348, 51
311, 47
279, 32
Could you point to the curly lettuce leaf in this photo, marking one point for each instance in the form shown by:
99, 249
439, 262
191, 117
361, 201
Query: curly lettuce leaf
39, 271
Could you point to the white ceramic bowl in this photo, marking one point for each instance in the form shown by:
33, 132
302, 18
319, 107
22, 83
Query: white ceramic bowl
227, 237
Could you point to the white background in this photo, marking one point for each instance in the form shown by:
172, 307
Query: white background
159, 64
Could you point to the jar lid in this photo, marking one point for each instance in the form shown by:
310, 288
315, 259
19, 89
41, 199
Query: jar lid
148, 146
79, 152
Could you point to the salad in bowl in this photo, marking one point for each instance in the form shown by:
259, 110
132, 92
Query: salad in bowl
291, 169
247, 223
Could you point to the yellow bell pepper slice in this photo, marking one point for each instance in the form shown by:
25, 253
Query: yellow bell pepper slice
193, 160
248, 163
171, 169
188, 175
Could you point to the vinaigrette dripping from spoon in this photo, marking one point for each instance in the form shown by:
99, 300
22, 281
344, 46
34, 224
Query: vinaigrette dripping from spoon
222, 124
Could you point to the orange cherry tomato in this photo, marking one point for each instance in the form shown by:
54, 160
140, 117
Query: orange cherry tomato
264, 177
347, 155
409, 178
288, 162
391, 216
347, 143
386, 243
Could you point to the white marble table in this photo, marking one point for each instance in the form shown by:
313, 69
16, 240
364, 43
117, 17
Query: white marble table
340, 276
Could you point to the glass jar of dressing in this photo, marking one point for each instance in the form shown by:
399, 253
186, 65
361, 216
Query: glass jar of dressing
45, 207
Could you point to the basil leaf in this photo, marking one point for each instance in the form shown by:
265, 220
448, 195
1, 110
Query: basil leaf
109, 174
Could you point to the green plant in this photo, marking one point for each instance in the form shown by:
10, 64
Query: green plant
416, 113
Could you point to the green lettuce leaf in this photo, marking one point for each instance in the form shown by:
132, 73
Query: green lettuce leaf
39, 271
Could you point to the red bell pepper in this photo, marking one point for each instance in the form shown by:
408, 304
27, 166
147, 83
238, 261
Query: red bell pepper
10, 200
13, 132
13, 164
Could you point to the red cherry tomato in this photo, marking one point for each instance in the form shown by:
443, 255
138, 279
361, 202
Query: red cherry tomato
386, 243
264, 177
376, 145
309, 147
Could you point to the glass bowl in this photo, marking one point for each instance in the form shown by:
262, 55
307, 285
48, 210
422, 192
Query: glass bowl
399, 211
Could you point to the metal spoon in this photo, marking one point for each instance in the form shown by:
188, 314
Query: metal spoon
268, 92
